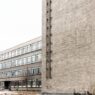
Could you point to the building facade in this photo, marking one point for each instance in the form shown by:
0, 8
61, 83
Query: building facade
68, 46
20, 66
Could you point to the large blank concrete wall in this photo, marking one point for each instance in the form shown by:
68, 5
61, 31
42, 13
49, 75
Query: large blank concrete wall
73, 48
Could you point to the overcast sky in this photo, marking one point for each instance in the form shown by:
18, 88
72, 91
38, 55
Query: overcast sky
20, 21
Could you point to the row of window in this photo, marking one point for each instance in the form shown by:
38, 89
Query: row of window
26, 83
35, 57
25, 72
22, 50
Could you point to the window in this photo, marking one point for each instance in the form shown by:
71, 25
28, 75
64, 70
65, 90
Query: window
29, 48
24, 83
6, 55
13, 63
29, 59
33, 47
36, 71
25, 49
39, 45
16, 62
32, 71
20, 62
3, 74
10, 63
13, 73
16, 83
33, 58
1, 57
16, 73
24, 72
10, 54
0, 77
34, 83
20, 50
29, 83
20, 72
38, 57
25, 61
1, 66
7, 64
16, 52
13, 53
39, 70
8, 74
20, 83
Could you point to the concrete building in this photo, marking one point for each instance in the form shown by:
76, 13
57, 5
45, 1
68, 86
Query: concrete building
20, 66
68, 46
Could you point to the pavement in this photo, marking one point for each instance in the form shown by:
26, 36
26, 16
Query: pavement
19, 93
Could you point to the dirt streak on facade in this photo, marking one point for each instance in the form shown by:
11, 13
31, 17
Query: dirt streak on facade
20, 66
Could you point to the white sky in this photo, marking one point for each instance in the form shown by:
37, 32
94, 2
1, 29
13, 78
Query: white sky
20, 21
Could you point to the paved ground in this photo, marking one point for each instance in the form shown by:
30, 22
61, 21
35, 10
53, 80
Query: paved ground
18, 93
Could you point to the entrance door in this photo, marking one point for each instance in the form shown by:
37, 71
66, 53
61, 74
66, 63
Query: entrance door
7, 84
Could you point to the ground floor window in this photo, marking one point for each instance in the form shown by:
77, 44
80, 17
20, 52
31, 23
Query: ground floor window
20, 83
29, 83
38, 83
25, 83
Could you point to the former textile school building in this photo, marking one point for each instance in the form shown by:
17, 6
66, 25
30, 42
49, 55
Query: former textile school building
20, 66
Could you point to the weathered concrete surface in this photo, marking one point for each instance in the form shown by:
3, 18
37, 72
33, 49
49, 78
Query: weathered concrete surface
19, 93
73, 46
